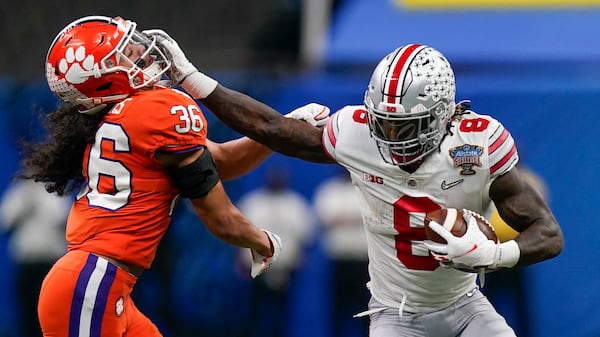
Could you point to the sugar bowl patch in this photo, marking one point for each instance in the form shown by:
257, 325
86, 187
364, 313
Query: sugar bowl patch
466, 157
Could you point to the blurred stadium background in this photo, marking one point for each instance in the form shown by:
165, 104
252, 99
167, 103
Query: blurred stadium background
534, 65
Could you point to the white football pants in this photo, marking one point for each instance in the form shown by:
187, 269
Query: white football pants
471, 316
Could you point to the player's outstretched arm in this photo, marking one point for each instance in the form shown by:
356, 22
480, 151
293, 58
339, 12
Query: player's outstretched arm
525, 210
239, 156
267, 126
241, 112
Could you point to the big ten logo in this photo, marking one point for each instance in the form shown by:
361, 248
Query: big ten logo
372, 179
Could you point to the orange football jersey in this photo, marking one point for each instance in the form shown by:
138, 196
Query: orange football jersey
125, 208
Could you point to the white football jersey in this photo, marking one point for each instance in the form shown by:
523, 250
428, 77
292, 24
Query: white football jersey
393, 202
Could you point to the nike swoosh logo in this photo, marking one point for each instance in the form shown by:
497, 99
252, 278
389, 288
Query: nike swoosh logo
446, 186
468, 251
472, 249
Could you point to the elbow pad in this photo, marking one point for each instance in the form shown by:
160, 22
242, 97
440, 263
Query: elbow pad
196, 179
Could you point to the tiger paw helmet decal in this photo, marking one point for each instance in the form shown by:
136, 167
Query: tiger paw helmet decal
75, 64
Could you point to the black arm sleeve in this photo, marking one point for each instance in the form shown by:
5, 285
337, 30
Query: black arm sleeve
198, 178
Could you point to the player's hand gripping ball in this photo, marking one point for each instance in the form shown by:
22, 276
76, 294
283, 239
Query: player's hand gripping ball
453, 220
461, 239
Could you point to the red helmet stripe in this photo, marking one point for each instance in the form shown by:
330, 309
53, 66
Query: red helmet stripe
398, 68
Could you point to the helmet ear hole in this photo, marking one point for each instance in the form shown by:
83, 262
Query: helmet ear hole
105, 86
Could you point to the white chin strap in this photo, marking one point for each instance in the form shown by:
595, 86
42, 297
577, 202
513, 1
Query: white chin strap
98, 103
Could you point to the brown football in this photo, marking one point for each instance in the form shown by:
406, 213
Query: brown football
452, 219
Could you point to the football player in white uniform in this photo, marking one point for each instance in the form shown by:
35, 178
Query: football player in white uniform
410, 149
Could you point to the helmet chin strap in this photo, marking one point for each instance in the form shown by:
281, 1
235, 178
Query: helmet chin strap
98, 102
93, 110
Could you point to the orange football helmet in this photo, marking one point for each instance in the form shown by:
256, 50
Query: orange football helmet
97, 60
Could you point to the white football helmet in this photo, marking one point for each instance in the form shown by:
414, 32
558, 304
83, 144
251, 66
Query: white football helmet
97, 60
409, 103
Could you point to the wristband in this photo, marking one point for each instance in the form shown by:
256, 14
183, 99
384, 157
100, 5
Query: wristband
507, 255
199, 85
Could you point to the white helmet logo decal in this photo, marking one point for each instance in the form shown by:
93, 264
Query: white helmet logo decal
75, 63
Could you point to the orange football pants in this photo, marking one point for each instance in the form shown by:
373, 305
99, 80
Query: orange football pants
84, 295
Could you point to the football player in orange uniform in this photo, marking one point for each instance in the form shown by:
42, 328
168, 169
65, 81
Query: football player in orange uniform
134, 148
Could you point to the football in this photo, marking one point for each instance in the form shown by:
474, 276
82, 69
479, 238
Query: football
452, 219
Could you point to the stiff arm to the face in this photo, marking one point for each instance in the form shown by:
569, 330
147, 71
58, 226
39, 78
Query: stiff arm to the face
266, 125
243, 113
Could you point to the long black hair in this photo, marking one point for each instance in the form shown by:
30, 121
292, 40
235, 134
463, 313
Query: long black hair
57, 160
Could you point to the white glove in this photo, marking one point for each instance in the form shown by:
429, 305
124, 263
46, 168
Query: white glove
313, 113
261, 263
182, 71
180, 67
471, 252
